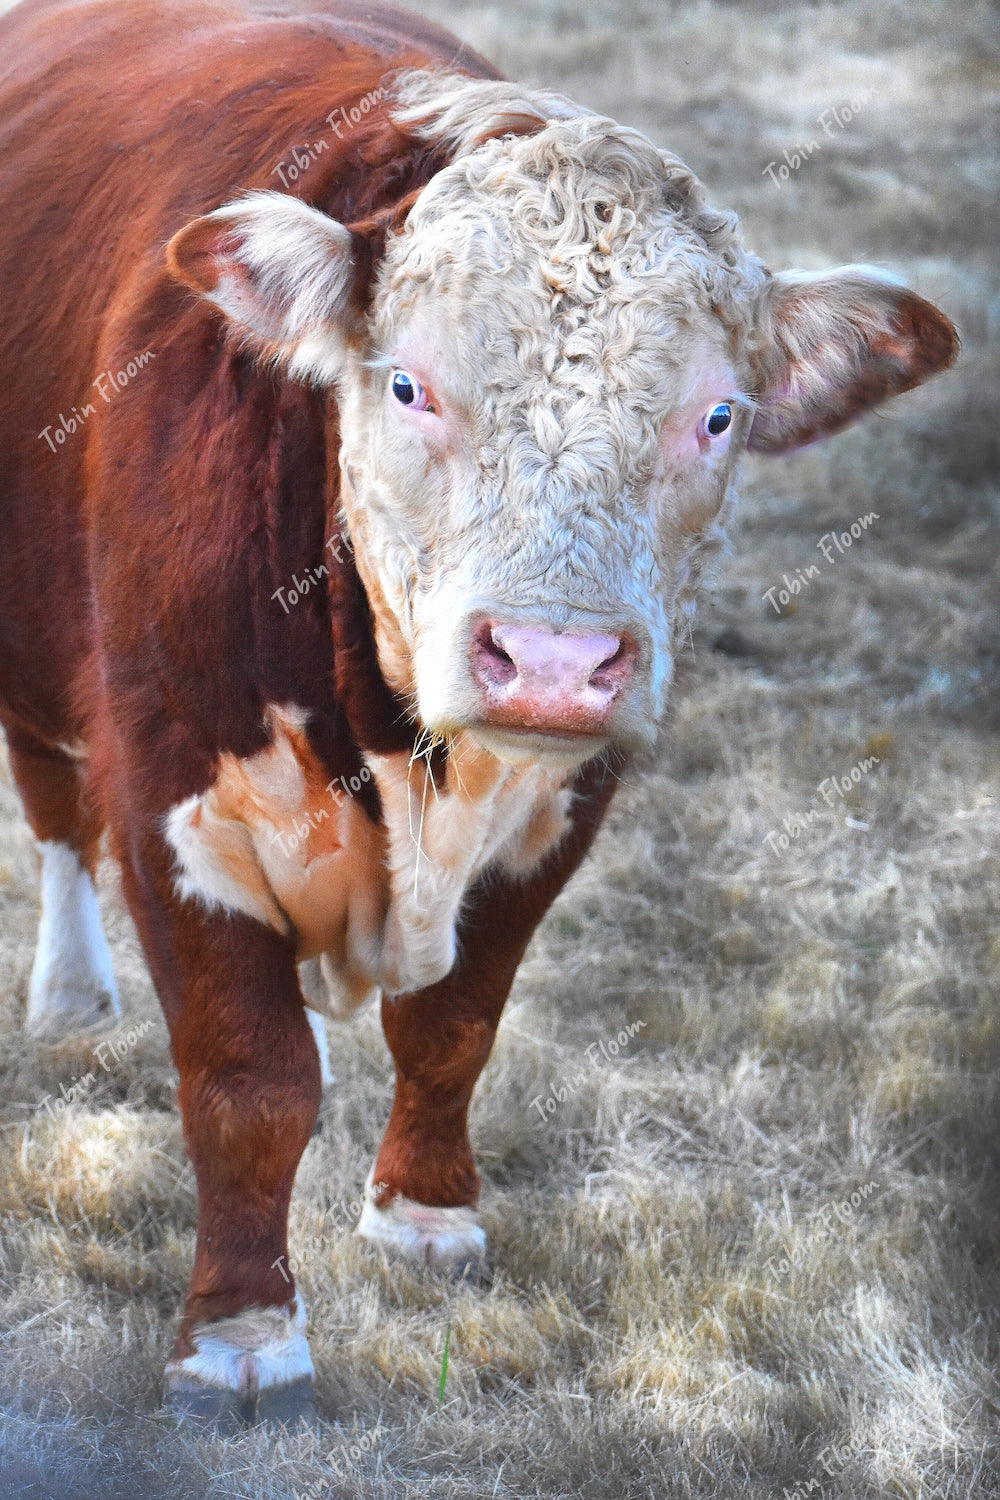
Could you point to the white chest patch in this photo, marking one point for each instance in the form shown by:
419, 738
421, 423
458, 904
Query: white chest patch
439, 840
274, 838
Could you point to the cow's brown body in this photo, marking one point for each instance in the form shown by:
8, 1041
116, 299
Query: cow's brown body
139, 561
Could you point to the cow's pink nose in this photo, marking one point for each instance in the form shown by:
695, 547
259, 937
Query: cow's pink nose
531, 678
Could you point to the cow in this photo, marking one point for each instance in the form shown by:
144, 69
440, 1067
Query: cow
368, 424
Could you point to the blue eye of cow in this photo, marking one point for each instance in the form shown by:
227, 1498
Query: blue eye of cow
409, 392
405, 388
719, 418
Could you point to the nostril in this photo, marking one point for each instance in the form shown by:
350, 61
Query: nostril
550, 673
616, 667
505, 664
607, 663
492, 662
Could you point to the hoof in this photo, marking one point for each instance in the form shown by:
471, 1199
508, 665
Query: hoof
288, 1405
473, 1271
59, 1013
254, 1367
449, 1239
195, 1403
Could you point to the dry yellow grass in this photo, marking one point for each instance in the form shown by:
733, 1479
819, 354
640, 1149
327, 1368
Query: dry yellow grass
681, 1304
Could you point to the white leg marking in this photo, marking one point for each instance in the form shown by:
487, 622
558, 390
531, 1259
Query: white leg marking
72, 982
258, 1348
432, 1236
318, 1028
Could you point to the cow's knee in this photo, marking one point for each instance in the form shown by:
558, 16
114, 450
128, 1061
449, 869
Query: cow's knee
72, 983
254, 1366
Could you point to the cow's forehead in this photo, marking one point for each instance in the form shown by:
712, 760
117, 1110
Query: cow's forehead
582, 236
567, 290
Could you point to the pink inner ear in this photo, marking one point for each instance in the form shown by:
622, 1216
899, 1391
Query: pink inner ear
196, 254
918, 342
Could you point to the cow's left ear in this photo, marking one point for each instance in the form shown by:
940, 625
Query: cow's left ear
281, 271
836, 343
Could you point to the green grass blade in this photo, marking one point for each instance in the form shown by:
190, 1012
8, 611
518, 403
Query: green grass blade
444, 1364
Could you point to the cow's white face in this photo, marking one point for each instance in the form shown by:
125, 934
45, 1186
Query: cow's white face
542, 410
539, 434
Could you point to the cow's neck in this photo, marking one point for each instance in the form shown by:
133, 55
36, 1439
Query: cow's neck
369, 865
275, 837
447, 810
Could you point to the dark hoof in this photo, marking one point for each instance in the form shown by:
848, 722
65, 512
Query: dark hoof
473, 1271
71, 1016
196, 1404
288, 1404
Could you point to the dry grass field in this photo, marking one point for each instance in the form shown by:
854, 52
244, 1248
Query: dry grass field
756, 1253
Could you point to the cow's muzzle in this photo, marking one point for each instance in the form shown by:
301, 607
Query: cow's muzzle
532, 679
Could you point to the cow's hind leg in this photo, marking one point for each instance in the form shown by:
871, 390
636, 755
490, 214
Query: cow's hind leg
72, 983
249, 1095
313, 988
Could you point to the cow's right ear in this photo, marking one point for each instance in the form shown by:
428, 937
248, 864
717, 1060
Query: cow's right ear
281, 271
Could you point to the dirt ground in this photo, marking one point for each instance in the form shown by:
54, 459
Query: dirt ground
752, 1250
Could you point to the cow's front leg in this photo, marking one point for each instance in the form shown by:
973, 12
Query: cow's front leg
249, 1095
421, 1196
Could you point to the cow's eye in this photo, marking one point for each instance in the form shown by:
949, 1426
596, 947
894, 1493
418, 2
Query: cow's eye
718, 419
409, 392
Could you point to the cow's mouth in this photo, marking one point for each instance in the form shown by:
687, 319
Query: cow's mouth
520, 747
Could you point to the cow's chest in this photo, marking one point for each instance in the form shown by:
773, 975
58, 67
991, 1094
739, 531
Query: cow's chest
274, 838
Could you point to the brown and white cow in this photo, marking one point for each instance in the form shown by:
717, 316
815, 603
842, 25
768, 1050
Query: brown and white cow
345, 534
